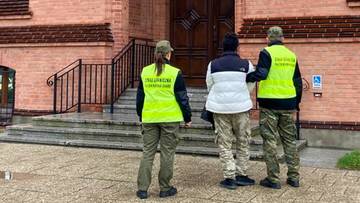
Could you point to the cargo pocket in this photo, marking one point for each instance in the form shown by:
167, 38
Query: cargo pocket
263, 121
262, 124
142, 132
216, 136
177, 138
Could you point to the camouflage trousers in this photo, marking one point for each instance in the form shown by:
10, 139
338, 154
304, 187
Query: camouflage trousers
231, 128
275, 123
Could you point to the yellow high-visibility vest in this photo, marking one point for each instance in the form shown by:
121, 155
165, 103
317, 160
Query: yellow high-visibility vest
279, 82
160, 105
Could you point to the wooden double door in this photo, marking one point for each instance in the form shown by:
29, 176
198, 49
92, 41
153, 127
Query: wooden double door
197, 30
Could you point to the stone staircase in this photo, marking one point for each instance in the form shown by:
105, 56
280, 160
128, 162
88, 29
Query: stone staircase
126, 103
121, 130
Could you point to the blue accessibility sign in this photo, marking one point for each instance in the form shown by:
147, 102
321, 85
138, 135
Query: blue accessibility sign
317, 81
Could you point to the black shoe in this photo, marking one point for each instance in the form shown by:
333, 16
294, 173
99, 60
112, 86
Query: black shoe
142, 194
244, 181
229, 184
267, 183
293, 183
171, 192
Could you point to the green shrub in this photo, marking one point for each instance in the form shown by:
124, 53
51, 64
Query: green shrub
350, 161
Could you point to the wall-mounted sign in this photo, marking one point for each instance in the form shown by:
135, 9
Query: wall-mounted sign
317, 82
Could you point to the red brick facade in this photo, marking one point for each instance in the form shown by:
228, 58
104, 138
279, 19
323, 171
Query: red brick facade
324, 34
326, 38
149, 19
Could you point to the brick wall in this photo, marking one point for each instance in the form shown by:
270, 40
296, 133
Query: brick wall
334, 58
34, 65
119, 17
39, 61
149, 19
50, 12
161, 25
141, 19
62, 12
276, 8
303, 26
338, 64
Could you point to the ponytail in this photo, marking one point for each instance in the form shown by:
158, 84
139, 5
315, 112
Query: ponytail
159, 62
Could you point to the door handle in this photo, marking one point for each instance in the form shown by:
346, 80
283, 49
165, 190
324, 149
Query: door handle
215, 34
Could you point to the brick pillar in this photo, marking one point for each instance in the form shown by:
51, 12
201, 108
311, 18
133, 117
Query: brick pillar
240, 12
120, 23
161, 25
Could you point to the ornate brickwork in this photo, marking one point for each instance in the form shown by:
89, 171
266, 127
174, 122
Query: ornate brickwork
14, 7
56, 34
304, 27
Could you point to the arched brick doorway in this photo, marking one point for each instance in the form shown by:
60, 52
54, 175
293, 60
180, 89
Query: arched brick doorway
197, 28
7, 94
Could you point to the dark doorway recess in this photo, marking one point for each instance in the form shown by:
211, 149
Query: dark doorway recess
7, 94
197, 30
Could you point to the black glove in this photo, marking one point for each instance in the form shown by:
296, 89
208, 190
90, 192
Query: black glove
298, 107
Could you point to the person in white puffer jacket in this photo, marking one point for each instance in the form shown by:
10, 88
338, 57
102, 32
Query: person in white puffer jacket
229, 100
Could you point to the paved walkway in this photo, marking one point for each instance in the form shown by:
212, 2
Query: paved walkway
62, 174
321, 157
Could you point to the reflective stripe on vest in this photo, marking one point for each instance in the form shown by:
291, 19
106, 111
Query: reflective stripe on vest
160, 105
279, 82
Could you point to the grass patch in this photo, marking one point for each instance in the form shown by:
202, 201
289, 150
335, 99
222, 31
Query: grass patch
350, 161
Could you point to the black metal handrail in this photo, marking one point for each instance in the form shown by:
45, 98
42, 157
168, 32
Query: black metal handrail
66, 83
127, 65
80, 83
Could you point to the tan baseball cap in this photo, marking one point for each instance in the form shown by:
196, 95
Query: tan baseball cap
163, 46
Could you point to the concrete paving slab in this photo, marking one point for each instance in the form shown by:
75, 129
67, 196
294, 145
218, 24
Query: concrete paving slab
232, 196
353, 173
112, 178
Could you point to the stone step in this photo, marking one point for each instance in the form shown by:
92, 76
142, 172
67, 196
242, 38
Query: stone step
109, 121
192, 93
255, 154
189, 90
131, 109
114, 131
133, 102
28, 130
130, 100
192, 99
115, 145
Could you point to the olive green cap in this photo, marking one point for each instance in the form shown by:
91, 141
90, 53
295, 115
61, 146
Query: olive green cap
163, 46
275, 33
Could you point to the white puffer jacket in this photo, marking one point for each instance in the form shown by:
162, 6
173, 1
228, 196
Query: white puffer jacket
228, 91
